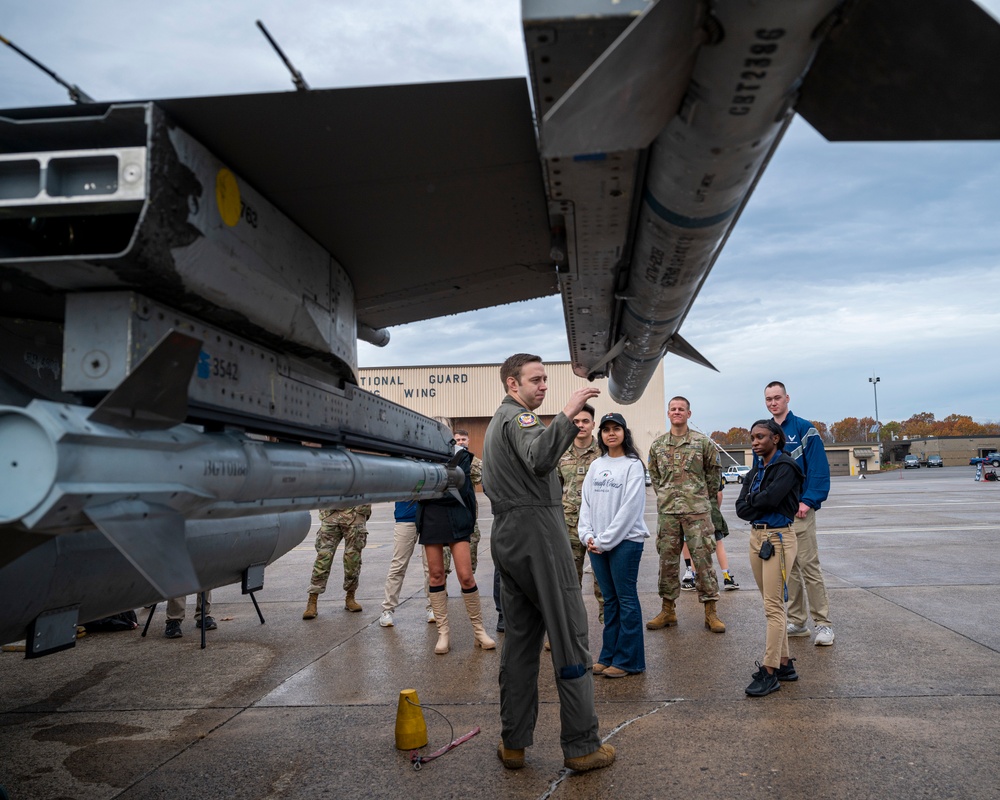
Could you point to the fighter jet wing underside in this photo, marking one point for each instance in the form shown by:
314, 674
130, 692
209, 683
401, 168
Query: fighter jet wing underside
647, 196
431, 196
906, 71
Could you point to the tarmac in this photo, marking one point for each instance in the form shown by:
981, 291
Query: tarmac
905, 704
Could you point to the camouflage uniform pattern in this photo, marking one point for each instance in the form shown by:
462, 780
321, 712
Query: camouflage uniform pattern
347, 524
718, 521
682, 469
573, 468
477, 480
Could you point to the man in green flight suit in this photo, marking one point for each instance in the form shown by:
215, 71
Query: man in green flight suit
531, 550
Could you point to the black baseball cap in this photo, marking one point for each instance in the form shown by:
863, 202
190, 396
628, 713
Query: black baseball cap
615, 417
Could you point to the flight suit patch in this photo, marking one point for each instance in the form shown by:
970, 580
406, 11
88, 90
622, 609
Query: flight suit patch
527, 420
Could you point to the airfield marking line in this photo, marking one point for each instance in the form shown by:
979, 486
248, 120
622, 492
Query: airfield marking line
565, 773
941, 504
912, 529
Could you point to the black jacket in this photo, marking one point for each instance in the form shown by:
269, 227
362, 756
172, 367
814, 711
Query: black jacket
460, 517
779, 492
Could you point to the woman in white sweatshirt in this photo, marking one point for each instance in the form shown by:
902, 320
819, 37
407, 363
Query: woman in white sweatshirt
612, 528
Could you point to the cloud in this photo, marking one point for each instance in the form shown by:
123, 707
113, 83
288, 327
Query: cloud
848, 258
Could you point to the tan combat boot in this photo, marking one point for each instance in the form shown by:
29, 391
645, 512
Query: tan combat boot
603, 756
350, 603
712, 621
475, 612
665, 618
512, 759
311, 612
439, 602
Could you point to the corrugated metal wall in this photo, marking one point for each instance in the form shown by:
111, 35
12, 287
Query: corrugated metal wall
469, 395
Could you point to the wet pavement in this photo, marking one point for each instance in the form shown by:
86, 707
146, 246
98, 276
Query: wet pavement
906, 703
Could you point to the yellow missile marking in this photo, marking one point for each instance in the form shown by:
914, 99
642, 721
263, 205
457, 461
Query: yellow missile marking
227, 196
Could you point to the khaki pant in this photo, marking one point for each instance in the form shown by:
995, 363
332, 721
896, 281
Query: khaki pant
805, 580
176, 606
771, 584
404, 539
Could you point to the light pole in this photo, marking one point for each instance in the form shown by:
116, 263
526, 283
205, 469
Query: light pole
874, 382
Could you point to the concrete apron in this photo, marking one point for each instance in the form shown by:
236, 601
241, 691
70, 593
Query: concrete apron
904, 704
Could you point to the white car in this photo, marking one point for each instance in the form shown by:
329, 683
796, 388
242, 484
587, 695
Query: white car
735, 474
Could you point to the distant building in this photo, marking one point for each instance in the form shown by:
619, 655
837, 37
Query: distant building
468, 395
845, 458
955, 451
853, 458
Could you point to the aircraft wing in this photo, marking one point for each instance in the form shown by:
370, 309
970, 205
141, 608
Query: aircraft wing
431, 195
906, 71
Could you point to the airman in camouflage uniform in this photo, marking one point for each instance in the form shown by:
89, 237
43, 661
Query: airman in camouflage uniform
347, 524
684, 467
573, 468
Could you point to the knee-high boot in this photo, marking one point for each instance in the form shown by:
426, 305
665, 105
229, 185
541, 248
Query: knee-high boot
475, 612
439, 602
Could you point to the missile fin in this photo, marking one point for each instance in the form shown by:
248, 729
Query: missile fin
152, 538
154, 396
679, 346
632, 91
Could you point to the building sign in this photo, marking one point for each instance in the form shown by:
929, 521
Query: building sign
414, 385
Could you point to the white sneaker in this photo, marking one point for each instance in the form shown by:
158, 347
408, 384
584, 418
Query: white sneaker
430, 616
386, 619
824, 635
797, 630
687, 582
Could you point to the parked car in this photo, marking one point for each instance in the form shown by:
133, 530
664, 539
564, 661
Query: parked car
735, 474
935, 461
993, 459
911, 461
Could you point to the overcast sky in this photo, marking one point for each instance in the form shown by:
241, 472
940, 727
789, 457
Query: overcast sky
850, 259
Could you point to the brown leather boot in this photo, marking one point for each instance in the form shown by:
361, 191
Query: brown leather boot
350, 603
439, 602
665, 618
712, 621
311, 612
475, 612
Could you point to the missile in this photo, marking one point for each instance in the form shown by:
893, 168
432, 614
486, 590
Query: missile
64, 473
67, 466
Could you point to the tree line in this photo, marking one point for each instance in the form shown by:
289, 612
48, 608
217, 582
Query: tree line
854, 429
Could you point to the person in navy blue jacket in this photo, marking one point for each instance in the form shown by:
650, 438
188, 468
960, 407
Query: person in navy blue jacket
769, 501
804, 444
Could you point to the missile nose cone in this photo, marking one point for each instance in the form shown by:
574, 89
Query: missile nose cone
27, 464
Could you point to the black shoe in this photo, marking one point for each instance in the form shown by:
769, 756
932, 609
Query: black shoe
785, 672
764, 683
173, 630
208, 622
500, 625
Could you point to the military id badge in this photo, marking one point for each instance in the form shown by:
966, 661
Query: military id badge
527, 420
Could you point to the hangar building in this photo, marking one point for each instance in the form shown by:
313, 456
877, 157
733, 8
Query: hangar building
469, 395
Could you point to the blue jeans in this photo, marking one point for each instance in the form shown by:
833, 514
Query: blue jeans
617, 571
